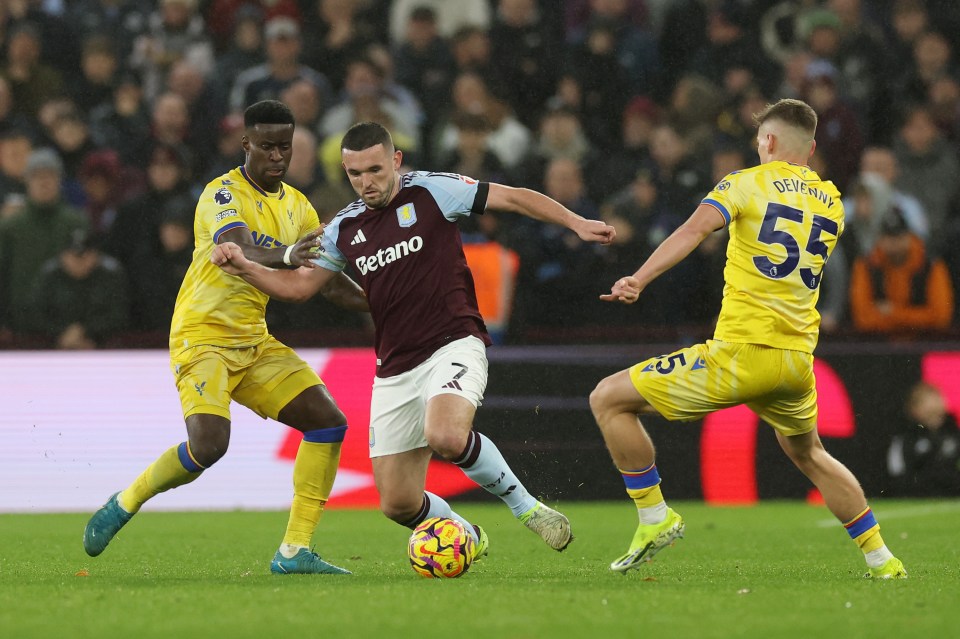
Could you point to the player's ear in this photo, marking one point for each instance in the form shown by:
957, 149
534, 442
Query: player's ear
245, 143
813, 148
397, 159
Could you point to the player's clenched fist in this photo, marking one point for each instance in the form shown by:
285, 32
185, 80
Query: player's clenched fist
626, 290
229, 257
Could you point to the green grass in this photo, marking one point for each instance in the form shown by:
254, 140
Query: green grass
774, 571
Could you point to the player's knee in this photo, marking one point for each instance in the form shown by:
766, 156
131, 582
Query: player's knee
208, 449
600, 399
449, 444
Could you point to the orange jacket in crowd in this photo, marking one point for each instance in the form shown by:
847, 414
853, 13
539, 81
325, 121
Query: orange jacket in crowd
919, 292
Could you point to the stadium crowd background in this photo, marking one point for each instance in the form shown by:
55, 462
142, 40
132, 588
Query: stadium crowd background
115, 113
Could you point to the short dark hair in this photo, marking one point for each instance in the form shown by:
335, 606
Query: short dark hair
364, 135
267, 112
796, 113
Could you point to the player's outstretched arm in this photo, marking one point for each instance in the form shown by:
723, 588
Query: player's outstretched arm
540, 207
288, 286
294, 256
704, 221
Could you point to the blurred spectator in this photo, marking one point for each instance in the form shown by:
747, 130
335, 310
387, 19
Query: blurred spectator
851, 39
866, 205
222, 16
203, 106
472, 157
735, 124
695, 104
106, 183
124, 123
509, 139
526, 52
560, 135
70, 136
175, 32
602, 83
229, 152
926, 458
99, 66
839, 137
336, 34
244, 51
681, 180
367, 80
60, 49
32, 236
133, 237
730, 47
9, 118
154, 289
31, 81
909, 20
634, 48
619, 163
944, 102
471, 51
683, 32
124, 20
882, 162
282, 68
452, 15
425, 65
929, 170
169, 120
15, 148
80, 296
931, 61
557, 272
577, 12
304, 172
897, 289
305, 103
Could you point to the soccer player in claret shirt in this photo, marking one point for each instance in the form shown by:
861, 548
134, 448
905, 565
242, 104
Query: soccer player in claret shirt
784, 221
221, 351
401, 239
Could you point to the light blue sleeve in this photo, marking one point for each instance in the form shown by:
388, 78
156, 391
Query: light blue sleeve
328, 255
454, 194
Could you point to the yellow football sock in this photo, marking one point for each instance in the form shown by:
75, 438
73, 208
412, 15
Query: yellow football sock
313, 473
167, 472
646, 497
865, 531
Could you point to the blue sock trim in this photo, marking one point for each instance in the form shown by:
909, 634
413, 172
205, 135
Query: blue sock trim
187, 460
861, 524
639, 479
326, 435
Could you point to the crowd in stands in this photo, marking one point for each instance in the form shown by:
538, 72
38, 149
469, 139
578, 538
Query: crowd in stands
115, 113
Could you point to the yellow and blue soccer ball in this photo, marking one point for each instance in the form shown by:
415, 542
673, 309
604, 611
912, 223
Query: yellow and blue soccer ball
440, 547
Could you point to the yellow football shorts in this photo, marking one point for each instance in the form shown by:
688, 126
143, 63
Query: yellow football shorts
264, 378
776, 384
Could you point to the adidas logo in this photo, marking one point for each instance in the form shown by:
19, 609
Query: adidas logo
359, 238
453, 384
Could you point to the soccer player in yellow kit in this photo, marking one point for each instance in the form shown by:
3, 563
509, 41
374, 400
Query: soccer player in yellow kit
221, 351
784, 221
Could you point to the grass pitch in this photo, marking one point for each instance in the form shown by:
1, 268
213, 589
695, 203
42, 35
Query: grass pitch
779, 570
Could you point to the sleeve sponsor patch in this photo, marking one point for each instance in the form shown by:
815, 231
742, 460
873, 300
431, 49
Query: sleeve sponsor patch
222, 215
722, 186
223, 197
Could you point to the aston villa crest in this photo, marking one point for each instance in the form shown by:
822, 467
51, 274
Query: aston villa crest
407, 215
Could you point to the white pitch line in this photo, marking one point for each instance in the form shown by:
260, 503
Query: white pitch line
903, 513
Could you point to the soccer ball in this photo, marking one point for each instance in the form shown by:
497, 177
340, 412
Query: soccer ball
440, 548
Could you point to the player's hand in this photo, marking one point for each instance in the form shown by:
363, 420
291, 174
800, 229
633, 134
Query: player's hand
596, 231
230, 258
305, 250
626, 290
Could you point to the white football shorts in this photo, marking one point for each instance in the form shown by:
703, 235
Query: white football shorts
399, 403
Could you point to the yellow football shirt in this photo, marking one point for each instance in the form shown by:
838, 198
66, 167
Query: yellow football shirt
784, 222
218, 309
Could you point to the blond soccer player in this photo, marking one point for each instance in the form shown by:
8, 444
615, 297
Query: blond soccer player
784, 222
